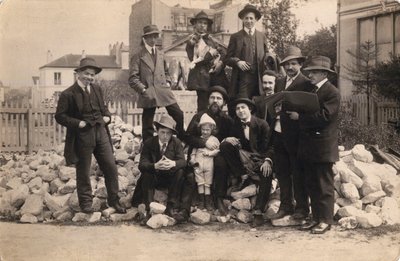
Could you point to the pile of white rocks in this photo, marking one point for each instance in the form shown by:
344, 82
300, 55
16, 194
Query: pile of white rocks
367, 194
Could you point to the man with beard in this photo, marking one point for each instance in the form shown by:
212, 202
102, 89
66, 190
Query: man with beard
216, 99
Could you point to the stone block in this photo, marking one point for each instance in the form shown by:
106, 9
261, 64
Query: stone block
80, 217
372, 197
223, 219
160, 220
68, 187
372, 209
360, 153
243, 203
348, 222
244, 216
200, 217
61, 211
371, 184
33, 205
55, 185
28, 218
66, 173
286, 221
45, 173
343, 202
121, 156
95, 217
123, 183
19, 195
14, 183
55, 203
107, 212
65, 216
271, 211
157, 208
73, 202
390, 212
350, 191
368, 220
247, 192
35, 183
348, 211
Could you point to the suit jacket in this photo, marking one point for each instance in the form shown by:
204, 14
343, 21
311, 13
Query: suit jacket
290, 128
152, 77
151, 154
318, 141
258, 136
235, 53
69, 114
199, 78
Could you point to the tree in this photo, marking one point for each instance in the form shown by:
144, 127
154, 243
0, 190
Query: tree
279, 22
386, 76
361, 70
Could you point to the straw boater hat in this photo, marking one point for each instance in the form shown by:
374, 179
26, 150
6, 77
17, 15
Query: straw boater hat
88, 63
220, 89
247, 101
319, 63
249, 8
199, 16
293, 52
166, 122
150, 29
205, 119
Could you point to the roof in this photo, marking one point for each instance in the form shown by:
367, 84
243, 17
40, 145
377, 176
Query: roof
183, 39
72, 61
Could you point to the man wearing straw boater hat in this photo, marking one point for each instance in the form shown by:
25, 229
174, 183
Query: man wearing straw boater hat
245, 55
286, 137
318, 145
206, 56
162, 164
82, 110
150, 80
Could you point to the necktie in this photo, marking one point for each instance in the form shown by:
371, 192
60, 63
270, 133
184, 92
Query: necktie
163, 148
250, 32
153, 55
87, 90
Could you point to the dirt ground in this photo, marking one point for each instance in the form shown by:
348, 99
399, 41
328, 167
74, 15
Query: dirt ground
129, 241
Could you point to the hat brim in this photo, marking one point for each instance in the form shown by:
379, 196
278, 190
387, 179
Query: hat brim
248, 102
151, 32
245, 11
291, 57
96, 69
159, 125
194, 20
318, 68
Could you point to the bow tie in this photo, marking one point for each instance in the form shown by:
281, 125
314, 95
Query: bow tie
245, 124
204, 36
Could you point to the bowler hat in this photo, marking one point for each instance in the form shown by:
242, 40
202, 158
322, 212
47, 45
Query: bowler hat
220, 89
319, 63
166, 122
150, 29
249, 8
88, 62
293, 52
247, 101
199, 16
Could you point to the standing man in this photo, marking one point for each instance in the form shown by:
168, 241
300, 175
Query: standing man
286, 141
318, 145
217, 98
245, 55
207, 68
250, 134
82, 110
149, 79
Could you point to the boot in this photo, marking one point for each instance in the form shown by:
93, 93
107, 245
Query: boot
223, 210
208, 202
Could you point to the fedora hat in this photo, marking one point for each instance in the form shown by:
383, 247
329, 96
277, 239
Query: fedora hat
199, 16
293, 52
166, 122
150, 29
250, 8
220, 89
319, 63
250, 103
88, 63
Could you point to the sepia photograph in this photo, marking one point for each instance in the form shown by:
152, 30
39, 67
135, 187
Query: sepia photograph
240, 130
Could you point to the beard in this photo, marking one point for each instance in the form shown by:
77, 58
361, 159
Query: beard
214, 108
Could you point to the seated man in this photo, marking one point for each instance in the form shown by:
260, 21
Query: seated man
249, 135
162, 164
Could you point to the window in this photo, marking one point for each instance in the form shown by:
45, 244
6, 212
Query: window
384, 37
57, 78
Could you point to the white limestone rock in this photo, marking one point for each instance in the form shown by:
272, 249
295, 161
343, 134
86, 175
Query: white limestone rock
368, 220
371, 184
243, 203
247, 192
28, 218
160, 220
372, 197
35, 183
69, 187
244, 216
360, 153
350, 191
55, 203
223, 219
94, 217
348, 223
271, 211
128, 216
80, 217
19, 195
65, 216
372, 209
14, 183
66, 173
108, 212
157, 208
123, 183
73, 202
286, 221
121, 156
55, 185
200, 217
348, 211
45, 173
390, 212
343, 202
33, 205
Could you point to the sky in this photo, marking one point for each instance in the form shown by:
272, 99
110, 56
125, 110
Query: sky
29, 28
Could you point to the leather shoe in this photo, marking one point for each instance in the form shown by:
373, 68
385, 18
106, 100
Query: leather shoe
280, 214
182, 216
87, 209
308, 225
118, 208
321, 228
258, 220
299, 215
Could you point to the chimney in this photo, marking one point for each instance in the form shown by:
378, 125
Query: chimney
83, 54
49, 56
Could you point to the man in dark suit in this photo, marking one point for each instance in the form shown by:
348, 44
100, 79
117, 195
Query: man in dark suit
245, 55
82, 110
286, 138
149, 78
217, 98
207, 68
249, 135
162, 164
318, 145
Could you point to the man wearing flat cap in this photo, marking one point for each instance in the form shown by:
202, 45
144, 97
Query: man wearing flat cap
82, 110
248, 153
149, 78
205, 55
286, 138
245, 55
318, 145
162, 164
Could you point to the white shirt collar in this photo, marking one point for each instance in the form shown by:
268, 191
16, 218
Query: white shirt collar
319, 85
82, 85
148, 47
161, 143
247, 30
292, 78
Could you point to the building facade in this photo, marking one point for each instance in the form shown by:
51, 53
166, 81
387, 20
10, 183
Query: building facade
359, 21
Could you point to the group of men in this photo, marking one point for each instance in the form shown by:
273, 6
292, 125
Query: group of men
255, 139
